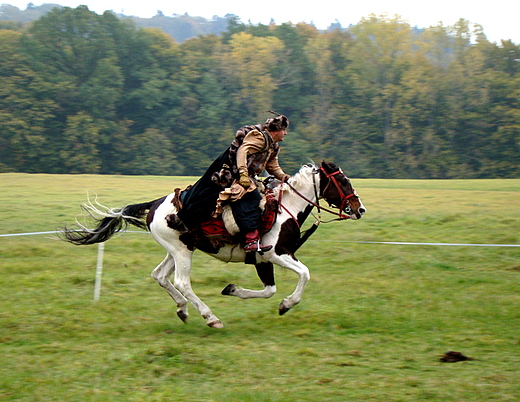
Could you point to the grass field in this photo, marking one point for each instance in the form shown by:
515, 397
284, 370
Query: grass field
372, 325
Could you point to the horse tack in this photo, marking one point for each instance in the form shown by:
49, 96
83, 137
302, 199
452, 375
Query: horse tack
344, 198
270, 211
160, 216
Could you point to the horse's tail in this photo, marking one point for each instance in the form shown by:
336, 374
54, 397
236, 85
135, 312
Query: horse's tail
109, 222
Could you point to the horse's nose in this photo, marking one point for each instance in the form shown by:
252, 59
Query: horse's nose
362, 210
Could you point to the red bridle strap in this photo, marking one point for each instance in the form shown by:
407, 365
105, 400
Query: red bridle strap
316, 204
344, 198
281, 206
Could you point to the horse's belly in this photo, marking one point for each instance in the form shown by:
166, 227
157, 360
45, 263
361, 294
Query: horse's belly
230, 253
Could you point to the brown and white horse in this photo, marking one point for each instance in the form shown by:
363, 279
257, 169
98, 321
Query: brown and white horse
297, 198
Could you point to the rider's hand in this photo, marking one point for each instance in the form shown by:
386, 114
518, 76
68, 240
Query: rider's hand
244, 180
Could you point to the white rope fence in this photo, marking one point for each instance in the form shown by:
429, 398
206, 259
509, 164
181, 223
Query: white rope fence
405, 243
101, 250
26, 234
398, 243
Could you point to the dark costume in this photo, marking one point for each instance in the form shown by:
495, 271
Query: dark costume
198, 200
231, 179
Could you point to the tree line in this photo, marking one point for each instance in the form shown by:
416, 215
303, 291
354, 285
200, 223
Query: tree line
88, 93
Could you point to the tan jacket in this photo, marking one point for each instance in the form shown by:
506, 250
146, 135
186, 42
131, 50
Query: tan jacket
257, 153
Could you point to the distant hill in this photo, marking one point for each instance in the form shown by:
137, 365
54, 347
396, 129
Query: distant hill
31, 13
183, 27
179, 27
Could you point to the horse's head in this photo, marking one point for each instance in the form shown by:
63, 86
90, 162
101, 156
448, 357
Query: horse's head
336, 189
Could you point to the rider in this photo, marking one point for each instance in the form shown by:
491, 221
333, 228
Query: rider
231, 179
258, 151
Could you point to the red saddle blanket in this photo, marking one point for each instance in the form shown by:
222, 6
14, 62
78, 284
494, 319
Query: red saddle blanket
216, 227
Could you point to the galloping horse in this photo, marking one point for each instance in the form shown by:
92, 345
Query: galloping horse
296, 199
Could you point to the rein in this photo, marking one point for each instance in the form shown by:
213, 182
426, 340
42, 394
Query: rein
316, 204
344, 200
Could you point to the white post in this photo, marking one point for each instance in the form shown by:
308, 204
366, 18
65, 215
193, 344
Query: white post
99, 271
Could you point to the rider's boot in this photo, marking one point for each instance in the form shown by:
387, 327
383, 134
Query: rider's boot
253, 243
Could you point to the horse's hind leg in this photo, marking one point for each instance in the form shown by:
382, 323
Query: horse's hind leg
162, 274
181, 269
265, 271
182, 282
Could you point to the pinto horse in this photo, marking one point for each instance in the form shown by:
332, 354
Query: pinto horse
296, 199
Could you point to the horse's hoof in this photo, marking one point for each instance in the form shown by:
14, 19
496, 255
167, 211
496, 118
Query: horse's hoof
182, 315
283, 307
229, 290
215, 324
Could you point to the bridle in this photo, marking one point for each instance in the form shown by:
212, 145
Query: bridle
344, 198
344, 203
332, 179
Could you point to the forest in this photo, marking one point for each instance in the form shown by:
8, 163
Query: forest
87, 93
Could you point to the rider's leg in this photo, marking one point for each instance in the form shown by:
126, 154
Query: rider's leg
248, 215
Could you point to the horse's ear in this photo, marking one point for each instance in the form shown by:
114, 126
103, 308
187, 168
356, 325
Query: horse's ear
328, 166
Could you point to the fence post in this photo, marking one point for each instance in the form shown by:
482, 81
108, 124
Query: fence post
99, 271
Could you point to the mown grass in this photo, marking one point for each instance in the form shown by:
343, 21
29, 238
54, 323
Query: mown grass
372, 325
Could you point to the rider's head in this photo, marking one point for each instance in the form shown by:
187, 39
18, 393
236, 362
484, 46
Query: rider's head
277, 127
277, 123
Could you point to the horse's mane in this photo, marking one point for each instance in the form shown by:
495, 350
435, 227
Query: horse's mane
304, 176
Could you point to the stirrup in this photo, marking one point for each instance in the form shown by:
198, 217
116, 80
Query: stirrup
255, 246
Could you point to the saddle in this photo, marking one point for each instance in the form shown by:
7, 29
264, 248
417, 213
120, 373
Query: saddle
223, 227
216, 231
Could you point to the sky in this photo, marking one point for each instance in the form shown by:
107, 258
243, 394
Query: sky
498, 17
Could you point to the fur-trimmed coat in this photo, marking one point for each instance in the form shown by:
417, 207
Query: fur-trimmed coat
253, 149
258, 152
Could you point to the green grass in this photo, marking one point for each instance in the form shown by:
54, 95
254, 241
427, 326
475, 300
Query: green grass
373, 323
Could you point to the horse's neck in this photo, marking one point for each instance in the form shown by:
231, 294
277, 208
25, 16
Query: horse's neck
306, 186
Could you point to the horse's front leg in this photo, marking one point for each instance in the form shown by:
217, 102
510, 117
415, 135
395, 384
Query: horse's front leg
265, 271
290, 262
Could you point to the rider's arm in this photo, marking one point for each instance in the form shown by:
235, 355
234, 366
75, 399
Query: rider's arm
254, 142
274, 168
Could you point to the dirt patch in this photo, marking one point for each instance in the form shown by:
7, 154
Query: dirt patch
453, 357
